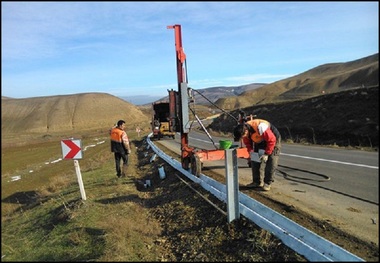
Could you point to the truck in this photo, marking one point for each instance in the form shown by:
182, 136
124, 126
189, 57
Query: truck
163, 120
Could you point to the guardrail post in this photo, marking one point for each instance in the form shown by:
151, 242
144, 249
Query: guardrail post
232, 184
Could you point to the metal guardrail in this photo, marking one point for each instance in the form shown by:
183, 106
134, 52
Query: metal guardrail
305, 242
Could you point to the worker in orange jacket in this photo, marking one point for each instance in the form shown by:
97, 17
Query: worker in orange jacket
263, 142
120, 147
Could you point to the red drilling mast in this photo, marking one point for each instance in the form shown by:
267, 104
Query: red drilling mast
186, 151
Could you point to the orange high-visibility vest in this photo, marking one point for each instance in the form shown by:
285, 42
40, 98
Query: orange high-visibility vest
256, 136
117, 140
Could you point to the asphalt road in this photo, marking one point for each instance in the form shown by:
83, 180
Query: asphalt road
333, 184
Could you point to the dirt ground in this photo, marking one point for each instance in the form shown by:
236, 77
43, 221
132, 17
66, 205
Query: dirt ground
195, 226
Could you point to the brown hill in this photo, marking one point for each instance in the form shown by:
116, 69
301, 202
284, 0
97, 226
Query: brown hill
65, 113
324, 79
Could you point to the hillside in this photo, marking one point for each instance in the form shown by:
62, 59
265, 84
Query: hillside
67, 113
346, 118
324, 79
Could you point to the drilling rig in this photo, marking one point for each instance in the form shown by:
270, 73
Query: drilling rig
191, 158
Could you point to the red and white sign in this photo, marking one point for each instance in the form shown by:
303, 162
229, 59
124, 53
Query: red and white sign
71, 149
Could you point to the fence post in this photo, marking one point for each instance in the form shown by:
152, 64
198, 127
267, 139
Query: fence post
232, 184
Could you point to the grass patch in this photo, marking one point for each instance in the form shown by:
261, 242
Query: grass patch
45, 219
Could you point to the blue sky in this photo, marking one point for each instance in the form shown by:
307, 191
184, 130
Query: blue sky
125, 48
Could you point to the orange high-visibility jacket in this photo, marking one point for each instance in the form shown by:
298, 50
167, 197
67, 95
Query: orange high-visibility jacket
119, 140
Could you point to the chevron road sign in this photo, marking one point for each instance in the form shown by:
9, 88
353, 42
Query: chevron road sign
71, 149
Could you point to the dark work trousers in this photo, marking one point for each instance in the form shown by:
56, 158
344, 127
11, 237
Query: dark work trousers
118, 158
265, 172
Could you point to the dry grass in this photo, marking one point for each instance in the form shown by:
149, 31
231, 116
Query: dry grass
51, 209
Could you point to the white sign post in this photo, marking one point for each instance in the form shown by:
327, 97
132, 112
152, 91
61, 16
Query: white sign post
72, 149
80, 182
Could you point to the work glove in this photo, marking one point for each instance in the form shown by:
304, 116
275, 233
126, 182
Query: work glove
264, 158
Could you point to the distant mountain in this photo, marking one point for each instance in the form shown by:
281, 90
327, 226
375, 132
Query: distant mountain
207, 95
204, 96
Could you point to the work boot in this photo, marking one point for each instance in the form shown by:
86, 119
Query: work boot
255, 185
266, 187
